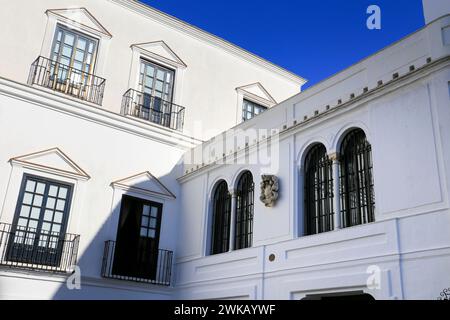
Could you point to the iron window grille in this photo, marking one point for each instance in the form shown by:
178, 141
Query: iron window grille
244, 211
18, 250
356, 180
163, 273
221, 219
63, 78
156, 110
318, 191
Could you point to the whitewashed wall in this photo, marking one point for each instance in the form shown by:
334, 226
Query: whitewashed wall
206, 87
406, 121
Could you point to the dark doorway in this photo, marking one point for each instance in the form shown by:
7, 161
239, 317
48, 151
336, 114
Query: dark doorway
136, 252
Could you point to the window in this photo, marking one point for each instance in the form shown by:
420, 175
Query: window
40, 221
251, 109
221, 219
356, 180
156, 87
244, 211
75, 50
318, 191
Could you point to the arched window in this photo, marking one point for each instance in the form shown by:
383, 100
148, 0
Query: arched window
318, 191
244, 211
356, 181
221, 219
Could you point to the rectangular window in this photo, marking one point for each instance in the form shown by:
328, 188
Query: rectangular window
251, 109
40, 221
73, 55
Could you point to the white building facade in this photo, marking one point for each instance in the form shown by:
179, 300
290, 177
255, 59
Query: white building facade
167, 163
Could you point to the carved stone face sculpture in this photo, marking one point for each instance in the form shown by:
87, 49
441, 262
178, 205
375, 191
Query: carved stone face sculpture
269, 190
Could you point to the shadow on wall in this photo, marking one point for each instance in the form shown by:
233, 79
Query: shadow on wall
131, 255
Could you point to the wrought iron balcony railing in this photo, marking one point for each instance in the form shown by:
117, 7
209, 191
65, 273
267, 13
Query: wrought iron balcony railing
29, 248
145, 106
68, 80
153, 267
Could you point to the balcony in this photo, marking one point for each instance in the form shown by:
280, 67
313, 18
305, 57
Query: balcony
147, 267
28, 248
58, 77
153, 109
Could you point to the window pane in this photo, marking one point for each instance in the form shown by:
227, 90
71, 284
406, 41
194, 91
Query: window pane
50, 203
146, 210
69, 39
144, 222
143, 232
151, 233
154, 212
58, 217
81, 44
53, 191
48, 215
37, 201
62, 193
30, 186
22, 222
35, 213
25, 211
33, 224
60, 205
40, 189
27, 198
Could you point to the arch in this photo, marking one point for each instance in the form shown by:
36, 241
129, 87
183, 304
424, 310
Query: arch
318, 191
237, 176
221, 216
245, 196
356, 179
310, 143
342, 133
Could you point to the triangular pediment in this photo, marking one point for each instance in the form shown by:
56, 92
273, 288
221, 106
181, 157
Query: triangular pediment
257, 91
80, 16
159, 50
145, 183
51, 160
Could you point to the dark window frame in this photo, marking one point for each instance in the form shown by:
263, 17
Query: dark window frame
221, 219
245, 197
42, 253
357, 197
254, 106
318, 191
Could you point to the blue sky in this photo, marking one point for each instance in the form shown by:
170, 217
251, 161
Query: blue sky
313, 39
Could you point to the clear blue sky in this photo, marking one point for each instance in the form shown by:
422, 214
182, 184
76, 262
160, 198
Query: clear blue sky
313, 39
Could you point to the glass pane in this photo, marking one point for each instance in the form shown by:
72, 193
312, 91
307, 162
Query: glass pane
53, 191
50, 203
153, 223
146, 210
64, 61
79, 56
33, 224
56, 48
144, 222
27, 198
46, 226
22, 222
154, 212
159, 86
62, 193
40, 188
58, 217
48, 215
59, 35
37, 201
30, 186
151, 233
81, 44
56, 228
143, 232
25, 211
150, 71
60, 205
67, 51
160, 75
35, 213
91, 47
68, 39
77, 65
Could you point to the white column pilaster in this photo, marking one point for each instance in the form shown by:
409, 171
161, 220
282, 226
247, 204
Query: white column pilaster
232, 219
336, 200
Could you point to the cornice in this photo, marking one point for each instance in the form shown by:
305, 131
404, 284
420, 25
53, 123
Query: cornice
67, 105
200, 34
297, 126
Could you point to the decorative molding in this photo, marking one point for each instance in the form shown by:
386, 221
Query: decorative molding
61, 163
144, 183
179, 25
167, 56
75, 16
263, 97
